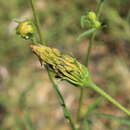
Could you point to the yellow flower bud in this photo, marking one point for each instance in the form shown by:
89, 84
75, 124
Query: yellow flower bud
63, 66
25, 29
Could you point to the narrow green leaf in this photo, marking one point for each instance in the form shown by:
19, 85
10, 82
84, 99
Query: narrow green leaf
82, 21
19, 123
28, 122
112, 117
93, 106
87, 124
90, 109
86, 33
22, 97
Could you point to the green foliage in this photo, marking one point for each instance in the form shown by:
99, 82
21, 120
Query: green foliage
112, 117
60, 27
86, 33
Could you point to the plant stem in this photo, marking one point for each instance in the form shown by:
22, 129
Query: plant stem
67, 114
36, 19
86, 124
98, 10
87, 59
90, 48
80, 103
108, 97
99, 7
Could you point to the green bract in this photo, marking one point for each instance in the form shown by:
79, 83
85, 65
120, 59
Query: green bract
63, 66
25, 29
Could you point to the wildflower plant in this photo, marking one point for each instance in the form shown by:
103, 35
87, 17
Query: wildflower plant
68, 68
65, 67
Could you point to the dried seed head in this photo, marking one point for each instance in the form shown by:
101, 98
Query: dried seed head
25, 29
64, 67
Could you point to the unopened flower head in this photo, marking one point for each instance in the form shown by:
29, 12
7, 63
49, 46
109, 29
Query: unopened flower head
25, 29
91, 20
63, 66
96, 24
91, 16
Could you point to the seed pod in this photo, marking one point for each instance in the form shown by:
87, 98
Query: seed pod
63, 66
25, 29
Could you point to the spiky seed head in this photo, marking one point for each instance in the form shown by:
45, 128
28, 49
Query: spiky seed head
63, 66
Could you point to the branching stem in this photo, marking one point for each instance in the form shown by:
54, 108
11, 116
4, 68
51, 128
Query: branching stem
87, 59
67, 114
108, 97
36, 20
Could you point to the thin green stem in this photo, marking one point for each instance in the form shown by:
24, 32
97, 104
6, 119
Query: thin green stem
80, 103
81, 89
37, 23
108, 97
67, 114
86, 124
98, 10
90, 48
87, 58
99, 7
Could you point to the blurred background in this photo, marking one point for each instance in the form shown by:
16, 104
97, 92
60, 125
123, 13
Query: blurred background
27, 98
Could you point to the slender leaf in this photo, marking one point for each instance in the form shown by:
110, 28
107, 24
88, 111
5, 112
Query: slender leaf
19, 123
90, 109
22, 97
82, 21
86, 33
112, 117
94, 105
87, 124
28, 122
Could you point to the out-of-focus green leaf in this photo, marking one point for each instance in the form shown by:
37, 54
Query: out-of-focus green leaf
86, 33
94, 105
28, 122
87, 124
112, 117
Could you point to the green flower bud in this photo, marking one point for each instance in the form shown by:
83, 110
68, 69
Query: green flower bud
96, 24
91, 16
90, 20
25, 29
63, 66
